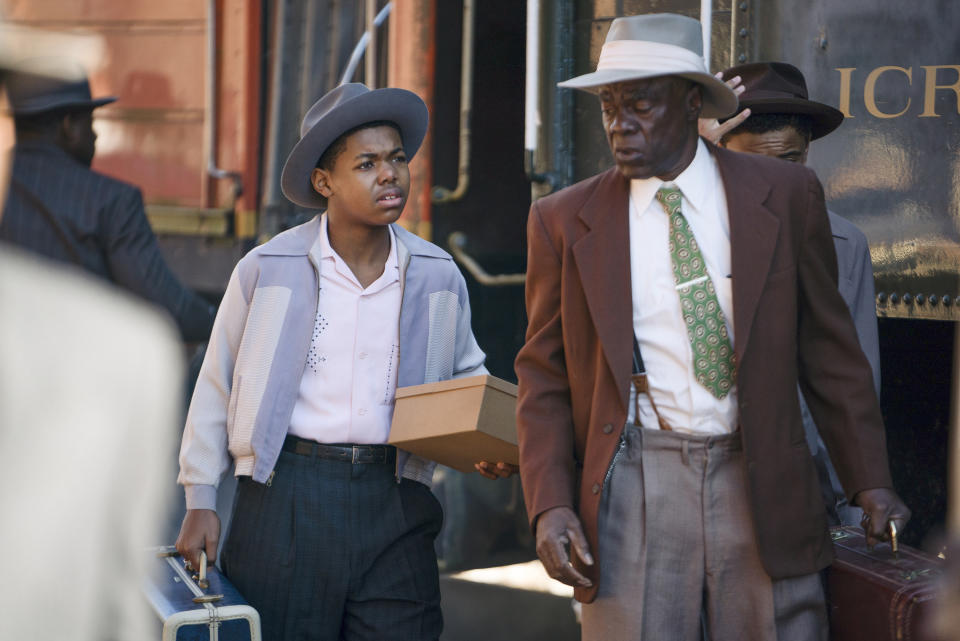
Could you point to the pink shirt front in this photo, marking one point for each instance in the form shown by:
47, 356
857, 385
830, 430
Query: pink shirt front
349, 382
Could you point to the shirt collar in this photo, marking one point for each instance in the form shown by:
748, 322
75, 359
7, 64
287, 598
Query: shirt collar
695, 182
327, 252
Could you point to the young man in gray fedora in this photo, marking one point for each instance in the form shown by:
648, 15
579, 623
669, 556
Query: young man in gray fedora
332, 530
676, 487
783, 123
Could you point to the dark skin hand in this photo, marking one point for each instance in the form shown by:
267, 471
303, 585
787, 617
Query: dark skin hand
200, 531
494, 471
710, 128
558, 528
880, 506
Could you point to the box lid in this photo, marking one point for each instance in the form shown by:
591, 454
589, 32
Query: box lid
459, 383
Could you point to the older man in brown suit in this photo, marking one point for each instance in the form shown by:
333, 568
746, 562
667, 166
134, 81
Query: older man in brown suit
690, 494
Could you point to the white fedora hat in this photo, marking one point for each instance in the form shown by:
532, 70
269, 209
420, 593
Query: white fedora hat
657, 44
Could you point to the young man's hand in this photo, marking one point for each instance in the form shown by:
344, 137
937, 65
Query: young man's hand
200, 531
496, 471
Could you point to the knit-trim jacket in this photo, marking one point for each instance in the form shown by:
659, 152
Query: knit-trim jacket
250, 378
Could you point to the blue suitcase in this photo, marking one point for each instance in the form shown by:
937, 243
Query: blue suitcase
189, 612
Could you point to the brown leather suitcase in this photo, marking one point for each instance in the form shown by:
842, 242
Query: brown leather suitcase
872, 597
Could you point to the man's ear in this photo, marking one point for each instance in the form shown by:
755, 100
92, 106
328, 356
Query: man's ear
694, 101
66, 130
320, 179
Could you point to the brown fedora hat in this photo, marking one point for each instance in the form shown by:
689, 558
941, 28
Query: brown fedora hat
779, 88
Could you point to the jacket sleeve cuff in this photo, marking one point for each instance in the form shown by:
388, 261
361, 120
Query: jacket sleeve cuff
201, 497
536, 517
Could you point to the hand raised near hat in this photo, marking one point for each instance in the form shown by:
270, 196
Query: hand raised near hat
710, 128
881, 506
558, 528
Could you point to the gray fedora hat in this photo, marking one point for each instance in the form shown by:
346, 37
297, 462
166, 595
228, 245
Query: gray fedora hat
32, 93
340, 110
657, 44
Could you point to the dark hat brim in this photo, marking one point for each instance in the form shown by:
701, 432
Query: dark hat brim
399, 106
40, 107
823, 117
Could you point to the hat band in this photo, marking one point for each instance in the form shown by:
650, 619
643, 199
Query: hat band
642, 55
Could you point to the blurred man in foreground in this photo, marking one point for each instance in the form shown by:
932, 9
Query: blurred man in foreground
89, 391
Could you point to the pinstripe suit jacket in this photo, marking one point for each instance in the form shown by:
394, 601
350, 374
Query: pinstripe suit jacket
65, 211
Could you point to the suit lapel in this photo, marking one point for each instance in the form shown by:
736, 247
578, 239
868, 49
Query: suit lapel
602, 257
753, 240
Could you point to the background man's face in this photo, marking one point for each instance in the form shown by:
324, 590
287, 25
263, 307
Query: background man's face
81, 139
786, 144
651, 125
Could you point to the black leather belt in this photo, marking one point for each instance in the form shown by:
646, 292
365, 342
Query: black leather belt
348, 453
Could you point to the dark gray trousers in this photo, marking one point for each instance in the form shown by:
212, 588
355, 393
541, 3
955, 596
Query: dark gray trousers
678, 552
333, 550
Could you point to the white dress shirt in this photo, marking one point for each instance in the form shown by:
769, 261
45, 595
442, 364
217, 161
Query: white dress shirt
657, 321
349, 382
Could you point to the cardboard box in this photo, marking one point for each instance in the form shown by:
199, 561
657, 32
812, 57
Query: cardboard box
458, 422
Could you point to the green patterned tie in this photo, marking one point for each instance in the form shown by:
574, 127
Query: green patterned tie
713, 359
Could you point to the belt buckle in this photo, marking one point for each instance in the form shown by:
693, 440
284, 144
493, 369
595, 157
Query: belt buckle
356, 455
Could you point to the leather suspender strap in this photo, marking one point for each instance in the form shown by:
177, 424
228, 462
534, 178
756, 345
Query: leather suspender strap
642, 386
638, 367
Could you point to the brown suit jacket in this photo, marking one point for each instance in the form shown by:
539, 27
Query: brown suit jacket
790, 325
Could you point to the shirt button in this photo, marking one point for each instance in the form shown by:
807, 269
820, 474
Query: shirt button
362, 411
607, 428
596, 488
363, 355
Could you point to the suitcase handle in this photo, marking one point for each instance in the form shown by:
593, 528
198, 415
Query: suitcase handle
186, 573
200, 575
203, 584
202, 578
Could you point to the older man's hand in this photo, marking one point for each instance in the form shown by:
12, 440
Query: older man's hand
557, 529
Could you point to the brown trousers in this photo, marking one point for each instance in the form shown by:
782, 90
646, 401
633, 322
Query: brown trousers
678, 555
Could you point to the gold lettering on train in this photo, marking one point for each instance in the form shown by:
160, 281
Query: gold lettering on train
870, 96
930, 87
932, 82
846, 73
